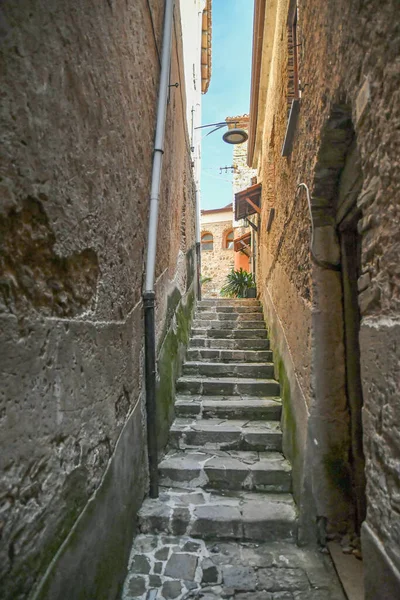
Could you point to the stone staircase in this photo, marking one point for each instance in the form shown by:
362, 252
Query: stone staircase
224, 475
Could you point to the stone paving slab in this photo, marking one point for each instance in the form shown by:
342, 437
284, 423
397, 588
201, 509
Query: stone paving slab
231, 515
226, 434
256, 471
231, 369
224, 343
163, 567
228, 407
229, 386
228, 324
222, 356
209, 315
233, 310
230, 333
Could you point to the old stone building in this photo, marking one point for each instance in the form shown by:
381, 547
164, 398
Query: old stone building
217, 253
242, 174
220, 253
78, 116
324, 140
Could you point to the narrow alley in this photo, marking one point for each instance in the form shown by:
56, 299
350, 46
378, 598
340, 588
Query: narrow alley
199, 300
225, 523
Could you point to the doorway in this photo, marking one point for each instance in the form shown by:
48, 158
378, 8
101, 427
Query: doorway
347, 218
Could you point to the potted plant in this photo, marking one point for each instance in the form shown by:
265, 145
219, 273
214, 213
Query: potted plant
240, 284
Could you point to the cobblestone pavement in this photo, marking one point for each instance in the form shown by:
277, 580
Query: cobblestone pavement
167, 567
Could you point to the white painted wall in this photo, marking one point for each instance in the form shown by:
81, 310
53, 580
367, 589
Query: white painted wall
191, 15
219, 217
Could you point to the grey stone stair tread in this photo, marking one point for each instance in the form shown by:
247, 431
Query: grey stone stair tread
232, 369
226, 379
224, 425
242, 344
219, 398
260, 471
234, 400
245, 333
235, 515
226, 434
228, 407
229, 302
223, 356
217, 324
235, 386
229, 316
229, 310
231, 365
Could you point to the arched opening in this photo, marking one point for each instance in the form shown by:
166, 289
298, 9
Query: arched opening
335, 426
228, 239
347, 216
207, 241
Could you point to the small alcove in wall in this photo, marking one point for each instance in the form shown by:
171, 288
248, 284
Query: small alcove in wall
335, 425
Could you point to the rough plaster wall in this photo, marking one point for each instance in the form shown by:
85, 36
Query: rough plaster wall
216, 263
77, 121
342, 43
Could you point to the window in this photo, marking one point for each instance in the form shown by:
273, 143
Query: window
229, 240
207, 241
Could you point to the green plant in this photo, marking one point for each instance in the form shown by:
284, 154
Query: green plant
204, 279
238, 282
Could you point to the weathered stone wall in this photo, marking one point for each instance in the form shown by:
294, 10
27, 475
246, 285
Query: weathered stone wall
242, 175
79, 88
341, 45
216, 263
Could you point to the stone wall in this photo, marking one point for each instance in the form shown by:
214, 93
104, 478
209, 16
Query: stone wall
242, 174
216, 263
79, 90
342, 46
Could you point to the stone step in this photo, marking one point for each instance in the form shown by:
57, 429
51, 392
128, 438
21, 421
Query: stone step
224, 470
233, 310
227, 386
204, 315
223, 434
227, 356
223, 325
235, 334
216, 369
241, 515
228, 407
229, 344
218, 302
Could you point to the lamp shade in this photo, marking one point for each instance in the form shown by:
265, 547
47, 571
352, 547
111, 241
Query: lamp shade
235, 136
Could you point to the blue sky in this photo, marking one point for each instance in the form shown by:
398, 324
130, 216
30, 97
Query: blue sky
228, 94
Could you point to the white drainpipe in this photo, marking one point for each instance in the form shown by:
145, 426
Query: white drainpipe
148, 293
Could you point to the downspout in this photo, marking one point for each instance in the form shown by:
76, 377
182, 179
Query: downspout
198, 242
149, 293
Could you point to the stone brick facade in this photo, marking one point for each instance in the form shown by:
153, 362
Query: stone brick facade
216, 263
242, 174
345, 149
79, 91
